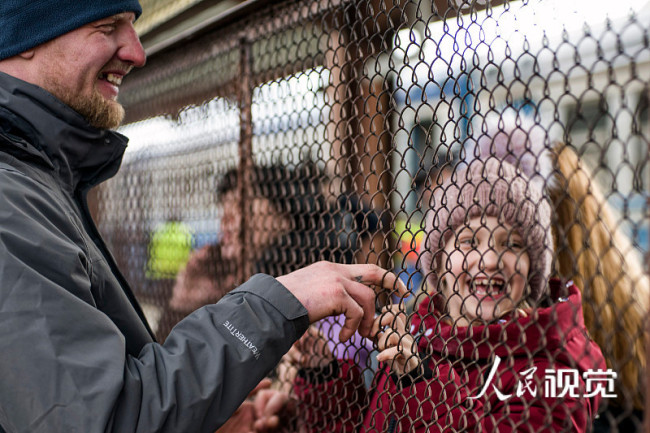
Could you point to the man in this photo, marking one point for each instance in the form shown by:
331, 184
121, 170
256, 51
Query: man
77, 353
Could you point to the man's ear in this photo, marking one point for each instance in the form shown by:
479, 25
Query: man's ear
27, 55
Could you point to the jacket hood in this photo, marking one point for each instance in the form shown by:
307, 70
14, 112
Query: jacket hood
36, 124
547, 330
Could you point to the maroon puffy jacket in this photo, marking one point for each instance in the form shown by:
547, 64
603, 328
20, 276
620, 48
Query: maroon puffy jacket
533, 374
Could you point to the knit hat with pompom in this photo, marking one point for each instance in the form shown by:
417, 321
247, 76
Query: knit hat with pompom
517, 139
491, 188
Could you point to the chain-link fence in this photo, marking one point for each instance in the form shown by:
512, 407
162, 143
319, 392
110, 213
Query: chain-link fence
477, 150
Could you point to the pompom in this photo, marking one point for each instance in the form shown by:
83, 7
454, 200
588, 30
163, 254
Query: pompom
517, 139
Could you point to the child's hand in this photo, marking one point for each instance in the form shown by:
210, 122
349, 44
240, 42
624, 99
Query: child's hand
396, 345
273, 409
523, 312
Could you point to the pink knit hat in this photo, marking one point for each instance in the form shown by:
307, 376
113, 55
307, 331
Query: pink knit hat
491, 188
515, 138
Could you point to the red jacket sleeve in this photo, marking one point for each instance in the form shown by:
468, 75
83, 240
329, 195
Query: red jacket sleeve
331, 399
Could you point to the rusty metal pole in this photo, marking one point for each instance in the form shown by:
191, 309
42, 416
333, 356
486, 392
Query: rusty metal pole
245, 159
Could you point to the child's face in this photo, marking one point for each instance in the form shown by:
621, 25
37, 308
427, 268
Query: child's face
484, 271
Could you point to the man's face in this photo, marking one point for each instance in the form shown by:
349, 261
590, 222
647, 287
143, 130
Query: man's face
84, 68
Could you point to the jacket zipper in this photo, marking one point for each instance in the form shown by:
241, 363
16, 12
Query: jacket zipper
99, 241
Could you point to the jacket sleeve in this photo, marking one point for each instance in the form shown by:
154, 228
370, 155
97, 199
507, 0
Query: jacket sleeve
330, 399
64, 364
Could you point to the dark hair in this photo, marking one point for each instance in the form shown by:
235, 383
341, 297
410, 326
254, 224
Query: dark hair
291, 191
320, 229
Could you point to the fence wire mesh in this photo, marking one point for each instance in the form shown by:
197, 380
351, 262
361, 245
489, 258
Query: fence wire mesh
477, 150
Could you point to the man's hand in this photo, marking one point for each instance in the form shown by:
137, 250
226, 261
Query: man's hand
327, 289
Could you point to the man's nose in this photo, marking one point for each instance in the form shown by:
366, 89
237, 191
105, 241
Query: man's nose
131, 50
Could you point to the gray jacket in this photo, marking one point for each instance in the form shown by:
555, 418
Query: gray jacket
76, 354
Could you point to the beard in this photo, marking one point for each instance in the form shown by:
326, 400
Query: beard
98, 111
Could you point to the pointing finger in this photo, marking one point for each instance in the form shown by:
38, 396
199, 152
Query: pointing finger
373, 275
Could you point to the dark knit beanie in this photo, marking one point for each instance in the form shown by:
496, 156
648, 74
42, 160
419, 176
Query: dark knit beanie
25, 24
491, 188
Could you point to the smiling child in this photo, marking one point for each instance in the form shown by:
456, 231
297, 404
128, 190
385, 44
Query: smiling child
494, 345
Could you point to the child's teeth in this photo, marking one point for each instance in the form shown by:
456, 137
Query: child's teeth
484, 287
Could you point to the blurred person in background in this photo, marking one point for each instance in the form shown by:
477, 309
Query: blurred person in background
290, 223
274, 213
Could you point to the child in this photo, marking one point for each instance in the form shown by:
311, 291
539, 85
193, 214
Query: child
489, 333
